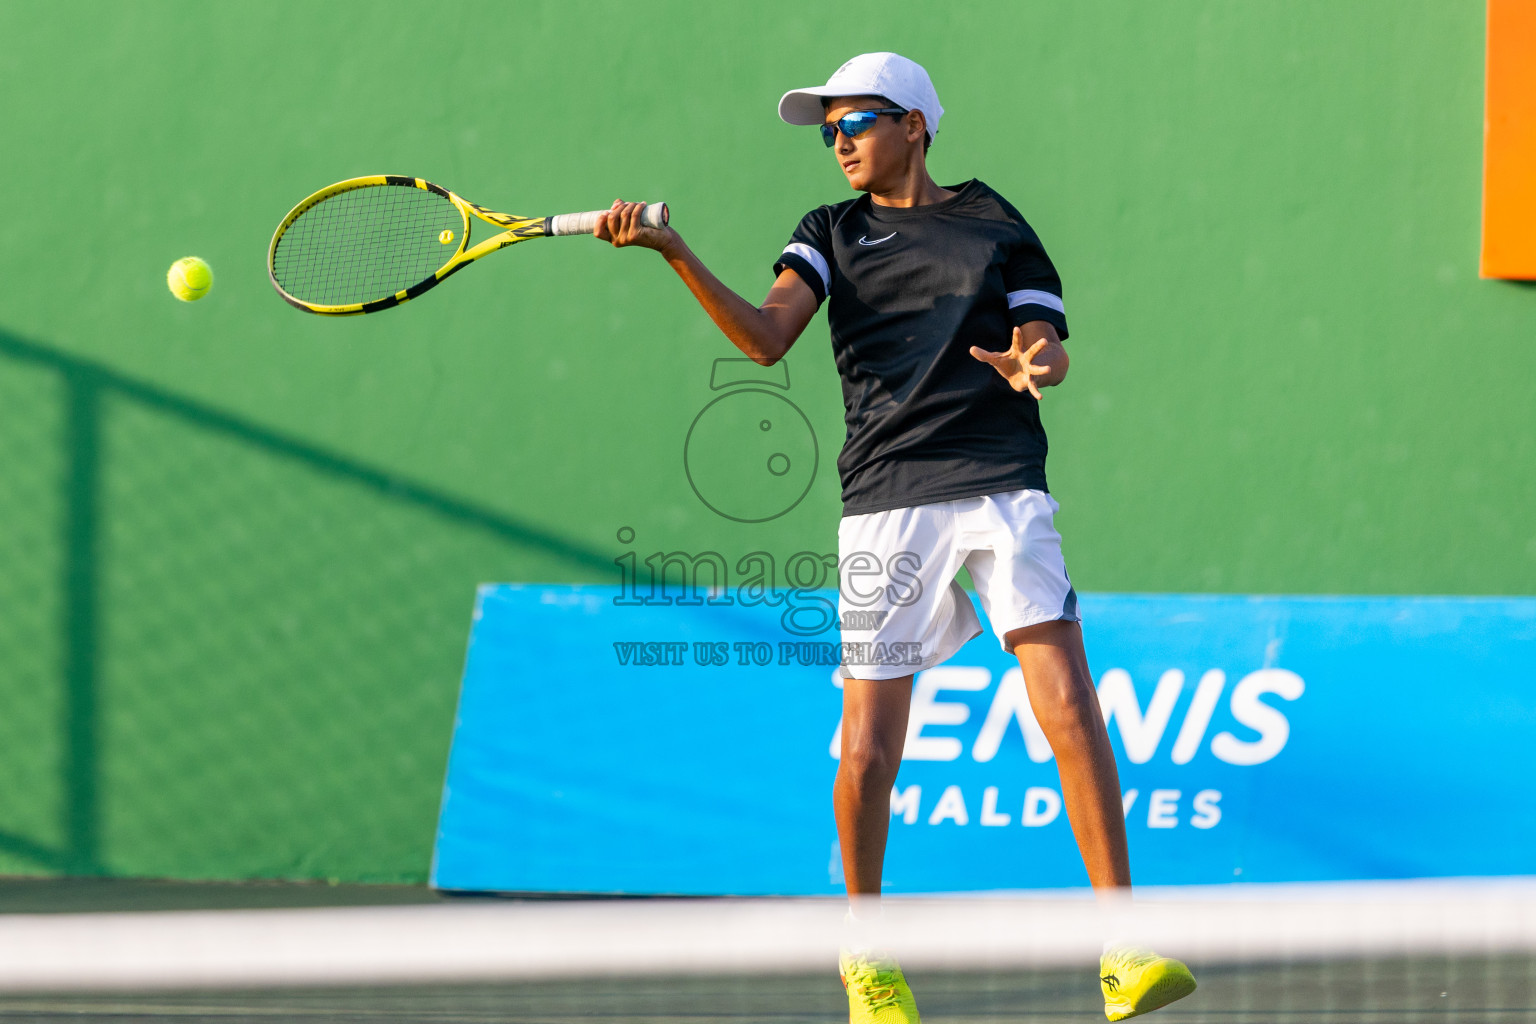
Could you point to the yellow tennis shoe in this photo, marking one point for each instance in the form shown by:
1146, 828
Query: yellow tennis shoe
877, 990
1137, 981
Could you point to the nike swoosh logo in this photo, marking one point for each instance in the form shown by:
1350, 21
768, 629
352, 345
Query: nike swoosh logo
865, 240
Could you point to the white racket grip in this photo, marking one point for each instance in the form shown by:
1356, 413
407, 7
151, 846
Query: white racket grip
655, 215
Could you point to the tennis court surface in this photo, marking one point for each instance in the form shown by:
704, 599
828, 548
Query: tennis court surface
129, 951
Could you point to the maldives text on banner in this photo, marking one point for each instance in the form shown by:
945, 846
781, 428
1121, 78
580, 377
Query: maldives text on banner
605, 744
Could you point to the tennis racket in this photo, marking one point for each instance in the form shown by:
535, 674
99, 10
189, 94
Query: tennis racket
367, 244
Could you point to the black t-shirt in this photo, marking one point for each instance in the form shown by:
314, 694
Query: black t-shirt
912, 289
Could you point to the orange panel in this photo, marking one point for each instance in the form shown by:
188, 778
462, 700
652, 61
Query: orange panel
1509, 141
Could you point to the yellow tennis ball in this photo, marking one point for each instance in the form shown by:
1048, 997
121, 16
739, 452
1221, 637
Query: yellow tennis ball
189, 278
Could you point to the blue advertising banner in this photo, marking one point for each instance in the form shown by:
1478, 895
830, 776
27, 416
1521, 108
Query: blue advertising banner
609, 744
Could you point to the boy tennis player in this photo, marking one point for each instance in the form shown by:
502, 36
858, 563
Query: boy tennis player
943, 466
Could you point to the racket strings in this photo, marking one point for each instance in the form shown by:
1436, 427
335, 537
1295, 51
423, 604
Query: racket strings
366, 244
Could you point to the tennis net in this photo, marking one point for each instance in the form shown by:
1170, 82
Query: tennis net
1443, 950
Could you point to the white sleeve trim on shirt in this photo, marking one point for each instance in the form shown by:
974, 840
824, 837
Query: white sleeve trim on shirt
1035, 296
818, 261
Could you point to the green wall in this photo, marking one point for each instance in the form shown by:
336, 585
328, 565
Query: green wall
239, 545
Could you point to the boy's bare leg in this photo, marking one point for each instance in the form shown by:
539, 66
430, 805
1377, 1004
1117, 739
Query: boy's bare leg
874, 733
1066, 705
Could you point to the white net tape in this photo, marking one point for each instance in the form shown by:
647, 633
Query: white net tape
457, 941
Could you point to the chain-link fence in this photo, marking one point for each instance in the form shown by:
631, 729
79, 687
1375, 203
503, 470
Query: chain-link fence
223, 652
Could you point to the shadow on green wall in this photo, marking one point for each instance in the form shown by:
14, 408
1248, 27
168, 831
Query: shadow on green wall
85, 385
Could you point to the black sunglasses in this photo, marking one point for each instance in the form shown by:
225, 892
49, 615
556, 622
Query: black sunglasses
855, 124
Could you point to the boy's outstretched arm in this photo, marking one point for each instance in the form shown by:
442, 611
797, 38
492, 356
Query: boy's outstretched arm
764, 333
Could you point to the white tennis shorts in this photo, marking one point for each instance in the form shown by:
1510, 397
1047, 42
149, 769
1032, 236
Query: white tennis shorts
899, 607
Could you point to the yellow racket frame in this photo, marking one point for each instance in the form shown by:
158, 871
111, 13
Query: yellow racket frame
518, 229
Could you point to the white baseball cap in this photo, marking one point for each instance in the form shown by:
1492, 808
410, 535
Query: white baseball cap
891, 75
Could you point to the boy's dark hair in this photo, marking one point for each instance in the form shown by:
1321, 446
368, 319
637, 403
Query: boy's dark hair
826, 101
